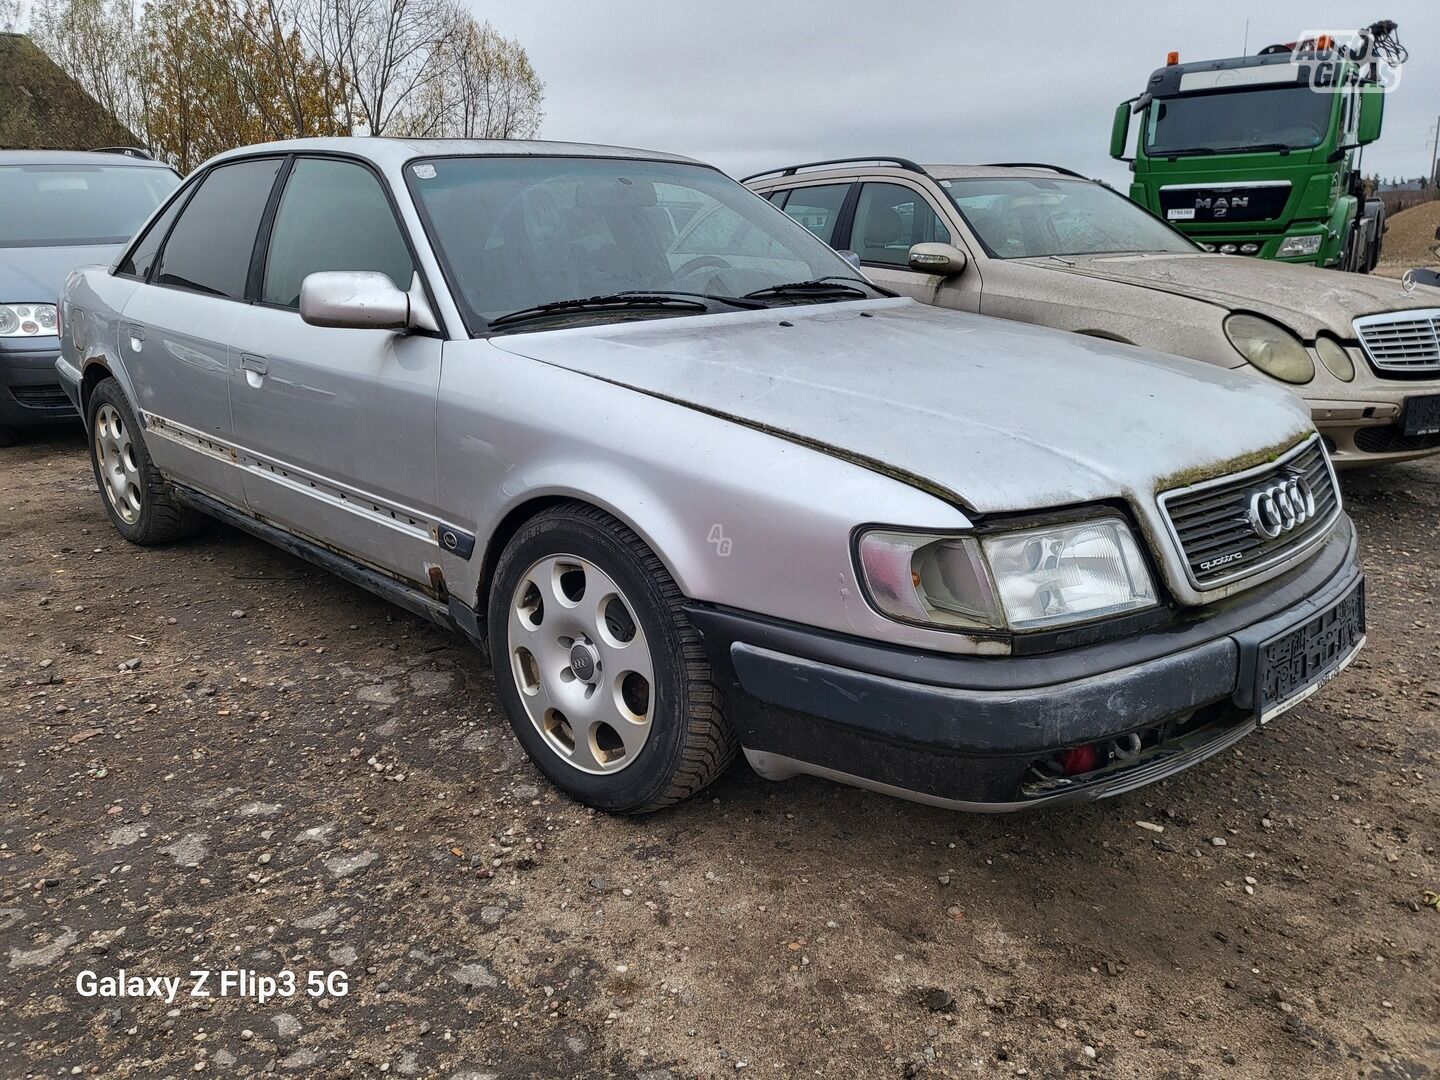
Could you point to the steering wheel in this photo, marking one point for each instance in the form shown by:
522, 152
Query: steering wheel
700, 262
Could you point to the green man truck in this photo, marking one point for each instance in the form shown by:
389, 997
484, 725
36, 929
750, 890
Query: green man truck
1260, 155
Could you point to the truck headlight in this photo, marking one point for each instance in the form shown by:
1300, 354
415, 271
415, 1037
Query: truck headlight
27, 320
1299, 245
1271, 348
1023, 580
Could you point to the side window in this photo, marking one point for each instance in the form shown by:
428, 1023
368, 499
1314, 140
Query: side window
210, 247
142, 255
332, 216
889, 218
818, 208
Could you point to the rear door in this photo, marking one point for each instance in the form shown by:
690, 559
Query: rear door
889, 218
176, 327
337, 426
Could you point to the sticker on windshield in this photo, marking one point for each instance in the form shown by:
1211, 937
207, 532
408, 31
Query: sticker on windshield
1187, 214
425, 172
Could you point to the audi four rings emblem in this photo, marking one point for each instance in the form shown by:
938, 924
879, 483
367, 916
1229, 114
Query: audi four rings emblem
1281, 507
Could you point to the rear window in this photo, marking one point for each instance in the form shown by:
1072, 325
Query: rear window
59, 205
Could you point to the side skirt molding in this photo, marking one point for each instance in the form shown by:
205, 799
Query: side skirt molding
450, 614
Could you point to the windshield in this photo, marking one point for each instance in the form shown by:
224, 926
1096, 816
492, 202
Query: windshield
517, 233
1021, 218
59, 205
1293, 117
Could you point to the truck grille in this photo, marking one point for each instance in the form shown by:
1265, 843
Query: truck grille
1403, 341
1238, 525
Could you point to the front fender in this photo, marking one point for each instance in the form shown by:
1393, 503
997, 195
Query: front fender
739, 517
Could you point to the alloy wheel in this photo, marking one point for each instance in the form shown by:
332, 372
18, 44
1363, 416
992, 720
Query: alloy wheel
581, 663
115, 453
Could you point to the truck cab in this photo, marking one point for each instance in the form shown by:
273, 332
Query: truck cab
1259, 156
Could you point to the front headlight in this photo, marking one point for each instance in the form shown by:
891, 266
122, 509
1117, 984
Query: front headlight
1333, 356
1023, 580
27, 320
1271, 348
1299, 245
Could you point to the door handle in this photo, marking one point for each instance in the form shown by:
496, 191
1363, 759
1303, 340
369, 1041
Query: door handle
136, 333
254, 368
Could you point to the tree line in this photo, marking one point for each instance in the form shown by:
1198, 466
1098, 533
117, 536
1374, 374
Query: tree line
194, 77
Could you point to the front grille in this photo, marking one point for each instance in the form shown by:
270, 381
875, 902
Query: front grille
41, 397
1212, 522
1402, 341
1262, 200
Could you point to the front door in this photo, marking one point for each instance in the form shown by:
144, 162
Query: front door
889, 219
336, 427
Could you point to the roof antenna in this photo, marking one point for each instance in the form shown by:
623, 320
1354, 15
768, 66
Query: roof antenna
1245, 49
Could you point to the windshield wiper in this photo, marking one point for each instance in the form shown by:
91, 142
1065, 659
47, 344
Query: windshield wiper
817, 287
628, 299
620, 301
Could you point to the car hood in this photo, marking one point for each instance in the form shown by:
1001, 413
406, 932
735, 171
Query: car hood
1304, 298
37, 274
989, 414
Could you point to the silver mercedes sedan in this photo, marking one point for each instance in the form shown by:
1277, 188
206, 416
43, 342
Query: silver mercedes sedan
699, 486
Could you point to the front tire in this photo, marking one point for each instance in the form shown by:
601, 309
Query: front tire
604, 679
138, 501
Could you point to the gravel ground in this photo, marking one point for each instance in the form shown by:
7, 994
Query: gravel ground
214, 757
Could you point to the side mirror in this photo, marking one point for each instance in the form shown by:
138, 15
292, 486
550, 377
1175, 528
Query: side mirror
363, 300
1120, 130
1372, 117
851, 257
945, 259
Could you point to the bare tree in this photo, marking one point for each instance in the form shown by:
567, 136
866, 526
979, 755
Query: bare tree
193, 77
12, 15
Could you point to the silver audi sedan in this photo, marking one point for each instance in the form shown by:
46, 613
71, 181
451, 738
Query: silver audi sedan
699, 486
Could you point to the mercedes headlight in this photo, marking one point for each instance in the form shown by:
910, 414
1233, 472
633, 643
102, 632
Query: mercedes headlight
1021, 580
1333, 355
27, 320
1299, 245
1271, 348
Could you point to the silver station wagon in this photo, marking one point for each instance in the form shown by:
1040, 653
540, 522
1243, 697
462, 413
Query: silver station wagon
697, 487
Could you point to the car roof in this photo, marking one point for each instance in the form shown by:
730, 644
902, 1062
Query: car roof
77, 157
393, 153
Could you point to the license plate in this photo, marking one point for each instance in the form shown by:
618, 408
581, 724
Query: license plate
1291, 666
1422, 415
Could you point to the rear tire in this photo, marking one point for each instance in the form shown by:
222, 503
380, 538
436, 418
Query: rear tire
140, 504
604, 679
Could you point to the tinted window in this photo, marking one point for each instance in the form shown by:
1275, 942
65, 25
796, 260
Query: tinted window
333, 216
56, 205
210, 247
818, 208
889, 218
142, 255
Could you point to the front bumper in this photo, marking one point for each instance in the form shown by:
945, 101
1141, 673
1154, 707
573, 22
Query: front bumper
967, 732
30, 392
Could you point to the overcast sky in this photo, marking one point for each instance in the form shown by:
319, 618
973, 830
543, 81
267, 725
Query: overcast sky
750, 84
